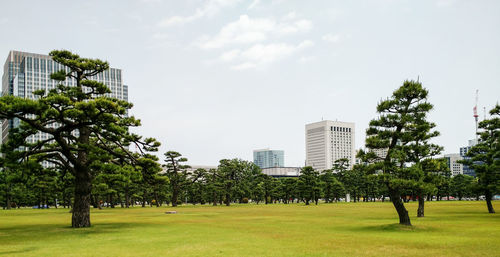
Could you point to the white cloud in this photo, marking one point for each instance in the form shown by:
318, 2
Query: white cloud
160, 36
260, 55
248, 30
331, 38
306, 59
244, 66
210, 8
445, 3
4, 20
253, 4
230, 55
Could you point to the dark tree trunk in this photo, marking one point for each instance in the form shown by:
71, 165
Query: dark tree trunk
8, 202
81, 206
156, 199
122, 204
214, 198
143, 198
228, 199
127, 199
111, 201
421, 202
175, 197
488, 196
404, 219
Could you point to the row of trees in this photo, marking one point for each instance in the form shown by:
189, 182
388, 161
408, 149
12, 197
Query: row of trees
234, 181
88, 141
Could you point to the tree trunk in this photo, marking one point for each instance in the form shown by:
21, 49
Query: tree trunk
144, 198
488, 196
8, 202
421, 202
228, 198
127, 199
404, 219
81, 206
175, 196
156, 199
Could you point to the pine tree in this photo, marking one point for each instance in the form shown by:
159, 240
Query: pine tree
397, 129
80, 120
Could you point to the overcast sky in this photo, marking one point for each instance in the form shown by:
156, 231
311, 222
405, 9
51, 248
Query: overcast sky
219, 78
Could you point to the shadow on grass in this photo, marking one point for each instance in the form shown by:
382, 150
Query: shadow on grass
25, 250
393, 228
43, 232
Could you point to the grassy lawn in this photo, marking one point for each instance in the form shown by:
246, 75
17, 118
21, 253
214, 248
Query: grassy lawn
343, 229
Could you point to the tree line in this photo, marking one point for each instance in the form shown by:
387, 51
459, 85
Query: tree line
89, 140
234, 181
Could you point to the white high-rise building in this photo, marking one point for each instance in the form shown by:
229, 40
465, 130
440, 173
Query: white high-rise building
455, 167
328, 141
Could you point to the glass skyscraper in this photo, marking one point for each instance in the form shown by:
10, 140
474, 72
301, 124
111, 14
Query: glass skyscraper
266, 158
25, 73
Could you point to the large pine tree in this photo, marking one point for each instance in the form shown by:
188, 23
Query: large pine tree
80, 121
402, 129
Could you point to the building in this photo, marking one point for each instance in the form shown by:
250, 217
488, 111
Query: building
455, 167
328, 141
280, 172
463, 153
266, 158
381, 153
25, 73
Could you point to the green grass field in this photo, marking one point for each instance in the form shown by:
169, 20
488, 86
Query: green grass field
343, 229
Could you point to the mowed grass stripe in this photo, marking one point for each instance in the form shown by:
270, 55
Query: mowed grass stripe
340, 229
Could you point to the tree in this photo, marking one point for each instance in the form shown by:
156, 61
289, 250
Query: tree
461, 186
418, 148
151, 179
485, 157
178, 175
235, 175
308, 184
79, 120
400, 118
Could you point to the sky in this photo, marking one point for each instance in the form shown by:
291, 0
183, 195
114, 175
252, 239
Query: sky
217, 79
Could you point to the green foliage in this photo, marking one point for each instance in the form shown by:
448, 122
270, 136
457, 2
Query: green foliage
308, 185
485, 156
86, 128
402, 128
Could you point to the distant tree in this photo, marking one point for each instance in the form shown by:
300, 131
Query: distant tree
214, 186
178, 175
461, 186
308, 184
485, 157
151, 181
235, 174
289, 188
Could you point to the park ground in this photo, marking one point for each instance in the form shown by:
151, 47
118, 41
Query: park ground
450, 228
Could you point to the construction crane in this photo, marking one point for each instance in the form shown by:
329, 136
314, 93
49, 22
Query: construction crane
475, 110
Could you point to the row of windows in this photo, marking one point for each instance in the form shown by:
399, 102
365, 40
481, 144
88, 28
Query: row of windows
340, 129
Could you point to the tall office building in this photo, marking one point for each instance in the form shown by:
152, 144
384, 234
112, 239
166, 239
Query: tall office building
25, 73
328, 141
266, 158
455, 167
463, 153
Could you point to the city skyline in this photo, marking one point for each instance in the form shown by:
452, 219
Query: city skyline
204, 73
